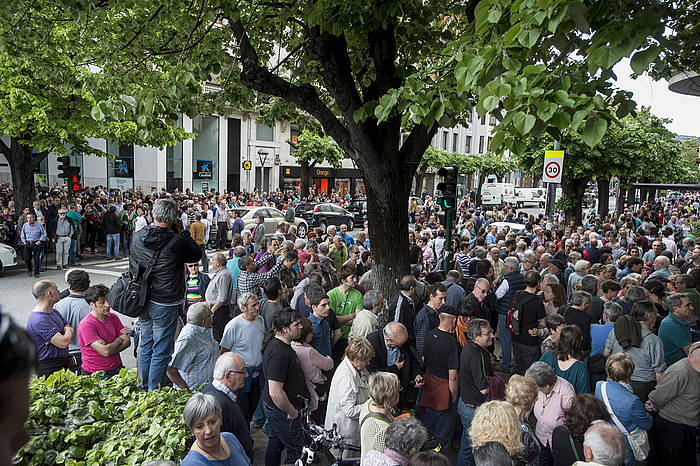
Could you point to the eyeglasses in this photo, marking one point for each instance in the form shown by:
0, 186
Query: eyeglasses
237, 372
192, 265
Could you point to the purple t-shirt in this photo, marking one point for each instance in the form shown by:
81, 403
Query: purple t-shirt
41, 327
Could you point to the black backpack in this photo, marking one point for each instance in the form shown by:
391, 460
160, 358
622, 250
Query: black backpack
514, 314
129, 293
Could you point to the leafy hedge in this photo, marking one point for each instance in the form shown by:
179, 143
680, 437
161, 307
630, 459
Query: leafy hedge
82, 420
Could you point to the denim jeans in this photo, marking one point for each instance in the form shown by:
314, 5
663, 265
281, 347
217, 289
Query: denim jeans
113, 246
73, 251
158, 325
125, 243
284, 435
441, 423
466, 415
504, 338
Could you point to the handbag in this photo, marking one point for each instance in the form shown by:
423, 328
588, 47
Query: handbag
129, 293
638, 438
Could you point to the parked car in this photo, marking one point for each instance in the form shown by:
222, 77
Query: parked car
419, 203
322, 214
8, 256
249, 215
358, 207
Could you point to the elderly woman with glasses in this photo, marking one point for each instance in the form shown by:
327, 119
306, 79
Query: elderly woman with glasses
202, 415
554, 397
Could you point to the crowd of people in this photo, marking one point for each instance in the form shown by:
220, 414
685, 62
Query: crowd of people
553, 343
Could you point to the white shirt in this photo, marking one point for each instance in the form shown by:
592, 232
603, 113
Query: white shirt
139, 223
207, 228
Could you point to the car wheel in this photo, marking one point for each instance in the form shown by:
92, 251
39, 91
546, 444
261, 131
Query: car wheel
301, 230
323, 225
351, 225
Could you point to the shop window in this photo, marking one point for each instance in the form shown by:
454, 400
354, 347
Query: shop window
481, 144
205, 154
468, 145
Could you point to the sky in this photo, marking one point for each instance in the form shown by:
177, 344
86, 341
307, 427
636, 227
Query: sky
684, 110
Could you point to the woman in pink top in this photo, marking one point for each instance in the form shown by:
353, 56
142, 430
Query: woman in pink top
101, 335
554, 396
312, 362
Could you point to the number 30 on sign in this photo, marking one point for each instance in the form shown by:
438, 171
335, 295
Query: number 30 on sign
553, 166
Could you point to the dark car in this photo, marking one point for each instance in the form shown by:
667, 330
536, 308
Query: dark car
323, 214
359, 209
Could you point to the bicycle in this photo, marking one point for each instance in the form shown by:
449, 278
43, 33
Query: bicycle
320, 440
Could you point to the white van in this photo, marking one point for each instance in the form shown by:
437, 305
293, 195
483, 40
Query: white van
529, 196
497, 193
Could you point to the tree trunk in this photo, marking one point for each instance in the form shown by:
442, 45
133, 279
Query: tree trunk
387, 184
574, 190
305, 179
482, 177
621, 196
19, 157
603, 196
420, 178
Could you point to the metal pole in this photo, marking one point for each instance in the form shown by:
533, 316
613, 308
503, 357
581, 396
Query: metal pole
552, 191
449, 213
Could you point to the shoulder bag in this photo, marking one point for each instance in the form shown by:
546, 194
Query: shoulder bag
129, 293
638, 438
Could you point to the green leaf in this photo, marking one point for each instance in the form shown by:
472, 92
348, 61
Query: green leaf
528, 37
562, 98
643, 58
545, 110
130, 100
494, 15
534, 69
594, 130
96, 113
560, 120
490, 103
523, 122
512, 34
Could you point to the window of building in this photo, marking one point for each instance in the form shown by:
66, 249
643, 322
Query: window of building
445, 140
173, 164
120, 167
205, 154
468, 145
294, 137
483, 120
481, 144
455, 139
264, 133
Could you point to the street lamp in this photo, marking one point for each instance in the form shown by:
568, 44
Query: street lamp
262, 154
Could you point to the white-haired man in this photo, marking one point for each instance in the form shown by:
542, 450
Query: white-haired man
195, 354
229, 377
604, 445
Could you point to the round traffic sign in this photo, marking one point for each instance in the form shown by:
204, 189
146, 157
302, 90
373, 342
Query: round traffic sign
552, 169
247, 165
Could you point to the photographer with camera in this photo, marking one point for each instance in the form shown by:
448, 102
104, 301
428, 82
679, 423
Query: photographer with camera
171, 249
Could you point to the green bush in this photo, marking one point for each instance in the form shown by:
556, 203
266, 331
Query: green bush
82, 420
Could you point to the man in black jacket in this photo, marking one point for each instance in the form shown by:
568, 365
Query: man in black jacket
577, 314
166, 288
403, 308
511, 284
526, 348
112, 226
394, 353
229, 377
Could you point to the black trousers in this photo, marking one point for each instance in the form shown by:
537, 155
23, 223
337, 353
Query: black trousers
221, 229
221, 318
642, 389
674, 442
524, 356
32, 252
248, 401
46, 367
205, 258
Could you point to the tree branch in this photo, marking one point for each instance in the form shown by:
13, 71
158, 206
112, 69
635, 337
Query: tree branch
304, 96
382, 46
415, 144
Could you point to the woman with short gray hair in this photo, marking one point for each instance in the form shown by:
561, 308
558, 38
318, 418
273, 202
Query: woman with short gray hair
202, 414
404, 437
554, 396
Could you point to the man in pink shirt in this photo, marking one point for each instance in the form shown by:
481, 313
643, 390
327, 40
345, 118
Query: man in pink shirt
101, 335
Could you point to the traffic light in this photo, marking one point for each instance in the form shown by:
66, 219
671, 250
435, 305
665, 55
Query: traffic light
64, 167
448, 187
74, 179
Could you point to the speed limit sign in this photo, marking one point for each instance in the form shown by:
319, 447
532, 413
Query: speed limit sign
553, 166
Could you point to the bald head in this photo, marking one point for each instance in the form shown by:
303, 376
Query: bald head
219, 260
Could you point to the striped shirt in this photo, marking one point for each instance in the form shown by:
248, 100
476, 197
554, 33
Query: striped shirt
192, 292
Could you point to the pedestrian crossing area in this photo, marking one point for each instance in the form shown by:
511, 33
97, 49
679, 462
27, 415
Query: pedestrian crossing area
116, 265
